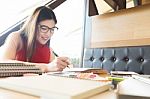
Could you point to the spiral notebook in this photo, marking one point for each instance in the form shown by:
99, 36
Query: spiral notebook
17, 69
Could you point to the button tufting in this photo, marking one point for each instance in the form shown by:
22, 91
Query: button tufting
135, 59
101, 58
141, 59
113, 58
91, 58
126, 59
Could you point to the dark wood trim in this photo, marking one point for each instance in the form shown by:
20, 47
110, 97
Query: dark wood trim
56, 3
92, 8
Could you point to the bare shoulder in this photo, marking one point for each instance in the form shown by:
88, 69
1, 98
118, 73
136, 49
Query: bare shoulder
14, 38
15, 34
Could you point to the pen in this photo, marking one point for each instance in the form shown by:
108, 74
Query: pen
58, 56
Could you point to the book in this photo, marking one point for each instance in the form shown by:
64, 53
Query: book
86, 70
123, 73
54, 87
143, 78
133, 89
17, 69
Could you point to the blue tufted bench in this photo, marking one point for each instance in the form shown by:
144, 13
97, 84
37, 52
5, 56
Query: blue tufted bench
135, 59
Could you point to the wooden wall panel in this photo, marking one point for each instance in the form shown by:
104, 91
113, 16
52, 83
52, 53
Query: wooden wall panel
129, 27
145, 2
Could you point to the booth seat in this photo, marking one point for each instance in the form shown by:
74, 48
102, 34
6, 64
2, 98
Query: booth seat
136, 59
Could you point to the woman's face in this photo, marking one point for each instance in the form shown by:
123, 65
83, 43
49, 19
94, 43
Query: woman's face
45, 31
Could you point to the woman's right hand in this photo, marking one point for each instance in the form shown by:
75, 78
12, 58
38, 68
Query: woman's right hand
58, 64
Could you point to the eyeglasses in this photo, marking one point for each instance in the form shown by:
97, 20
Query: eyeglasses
45, 29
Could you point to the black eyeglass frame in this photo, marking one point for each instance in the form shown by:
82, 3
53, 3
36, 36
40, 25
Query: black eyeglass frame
47, 28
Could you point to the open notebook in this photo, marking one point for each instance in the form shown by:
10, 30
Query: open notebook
73, 72
53, 87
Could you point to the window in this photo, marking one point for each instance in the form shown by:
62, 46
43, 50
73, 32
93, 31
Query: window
68, 39
11, 14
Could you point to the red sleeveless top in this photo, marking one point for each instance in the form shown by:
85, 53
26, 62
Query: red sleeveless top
40, 55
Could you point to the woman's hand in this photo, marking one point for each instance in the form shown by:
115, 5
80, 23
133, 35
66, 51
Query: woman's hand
58, 64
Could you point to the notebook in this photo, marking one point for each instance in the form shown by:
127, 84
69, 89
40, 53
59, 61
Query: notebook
123, 73
133, 89
54, 87
17, 69
73, 72
86, 70
143, 78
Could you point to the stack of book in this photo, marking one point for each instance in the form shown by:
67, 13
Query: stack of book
17, 69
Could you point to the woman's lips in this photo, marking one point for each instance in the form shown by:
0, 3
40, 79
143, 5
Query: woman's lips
45, 38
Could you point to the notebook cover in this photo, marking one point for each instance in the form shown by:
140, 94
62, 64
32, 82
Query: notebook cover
53, 87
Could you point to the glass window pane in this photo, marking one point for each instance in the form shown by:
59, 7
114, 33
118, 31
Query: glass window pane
13, 11
68, 40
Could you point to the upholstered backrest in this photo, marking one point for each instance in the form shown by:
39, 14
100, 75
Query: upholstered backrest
135, 59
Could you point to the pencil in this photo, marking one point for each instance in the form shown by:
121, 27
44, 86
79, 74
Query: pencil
58, 56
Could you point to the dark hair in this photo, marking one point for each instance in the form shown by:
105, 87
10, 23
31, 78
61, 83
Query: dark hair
46, 13
29, 29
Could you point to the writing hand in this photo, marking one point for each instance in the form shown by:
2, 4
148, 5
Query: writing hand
59, 64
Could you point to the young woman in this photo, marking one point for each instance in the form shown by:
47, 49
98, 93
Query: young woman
31, 43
